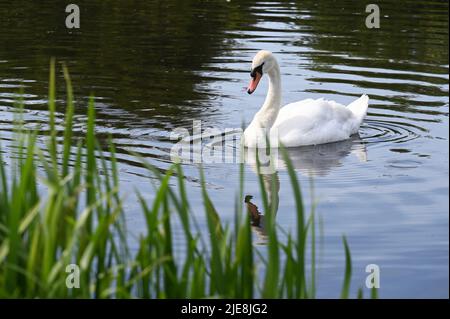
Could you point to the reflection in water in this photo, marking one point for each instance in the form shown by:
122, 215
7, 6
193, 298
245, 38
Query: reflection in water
157, 65
320, 160
313, 160
141, 61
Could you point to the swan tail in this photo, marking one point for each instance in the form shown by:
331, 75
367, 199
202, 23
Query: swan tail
359, 107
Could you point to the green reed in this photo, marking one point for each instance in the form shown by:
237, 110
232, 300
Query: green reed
57, 208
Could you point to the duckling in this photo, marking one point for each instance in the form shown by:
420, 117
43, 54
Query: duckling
253, 211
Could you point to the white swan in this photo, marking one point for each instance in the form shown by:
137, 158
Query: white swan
306, 122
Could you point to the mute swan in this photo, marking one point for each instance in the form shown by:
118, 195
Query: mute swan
306, 122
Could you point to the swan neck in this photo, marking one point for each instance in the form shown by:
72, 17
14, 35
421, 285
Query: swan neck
272, 104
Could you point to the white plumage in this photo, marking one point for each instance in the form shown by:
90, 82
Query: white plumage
306, 122
310, 122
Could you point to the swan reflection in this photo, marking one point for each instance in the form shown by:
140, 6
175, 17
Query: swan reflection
317, 160
314, 160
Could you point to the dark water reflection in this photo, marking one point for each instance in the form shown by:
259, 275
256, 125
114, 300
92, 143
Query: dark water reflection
153, 66
142, 60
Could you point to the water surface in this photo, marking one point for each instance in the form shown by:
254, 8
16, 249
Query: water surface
153, 67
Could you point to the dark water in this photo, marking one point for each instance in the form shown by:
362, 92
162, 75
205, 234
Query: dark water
157, 66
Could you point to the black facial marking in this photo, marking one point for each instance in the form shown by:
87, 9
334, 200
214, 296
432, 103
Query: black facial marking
257, 69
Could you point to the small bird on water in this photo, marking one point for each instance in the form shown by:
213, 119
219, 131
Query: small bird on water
252, 209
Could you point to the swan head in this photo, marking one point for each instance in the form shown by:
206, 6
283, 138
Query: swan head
262, 63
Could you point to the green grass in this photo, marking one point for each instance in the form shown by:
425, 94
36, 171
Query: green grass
56, 209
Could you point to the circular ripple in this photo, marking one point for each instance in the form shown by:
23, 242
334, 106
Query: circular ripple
375, 131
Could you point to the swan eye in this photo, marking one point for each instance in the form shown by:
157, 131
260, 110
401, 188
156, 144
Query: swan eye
257, 69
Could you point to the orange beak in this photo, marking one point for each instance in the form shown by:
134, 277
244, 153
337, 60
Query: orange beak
254, 83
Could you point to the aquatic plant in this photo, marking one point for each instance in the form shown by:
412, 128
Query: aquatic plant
61, 205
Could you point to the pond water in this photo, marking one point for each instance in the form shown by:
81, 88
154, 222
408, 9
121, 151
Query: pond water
157, 66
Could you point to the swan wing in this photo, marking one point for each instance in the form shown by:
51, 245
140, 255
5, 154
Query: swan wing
311, 122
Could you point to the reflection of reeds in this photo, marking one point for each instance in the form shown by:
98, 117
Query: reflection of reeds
74, 215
